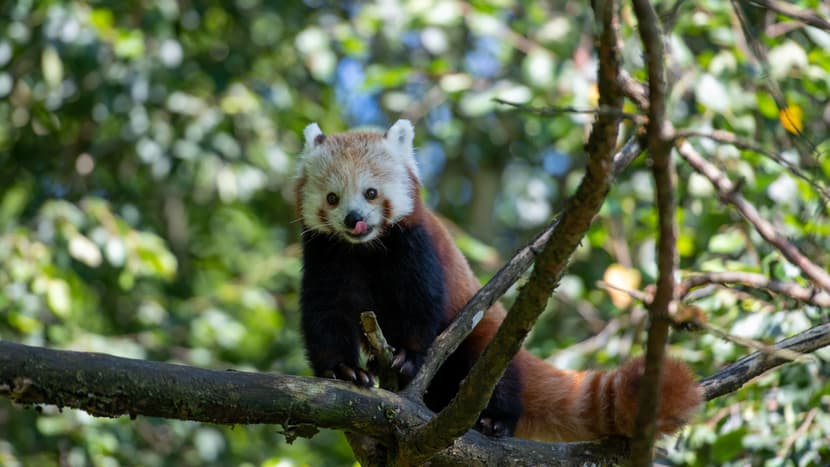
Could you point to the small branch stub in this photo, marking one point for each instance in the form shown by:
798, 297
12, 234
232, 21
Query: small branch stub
382, 352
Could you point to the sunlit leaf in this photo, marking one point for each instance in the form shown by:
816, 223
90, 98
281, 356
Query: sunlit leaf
712, 93
791, 118
84, 250
622, 280
129, 43
728, 242
58, 297
52, 66
101, 19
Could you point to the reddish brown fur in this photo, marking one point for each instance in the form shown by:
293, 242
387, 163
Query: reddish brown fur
558, 405
351, 148
298, 195
387, 211
563, 405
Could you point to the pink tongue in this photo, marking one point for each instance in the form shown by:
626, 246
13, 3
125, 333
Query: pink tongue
359, 228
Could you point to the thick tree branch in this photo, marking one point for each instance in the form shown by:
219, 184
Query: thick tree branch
728, 192
809, 295
109, 386
659, 148
734, 376
475, 391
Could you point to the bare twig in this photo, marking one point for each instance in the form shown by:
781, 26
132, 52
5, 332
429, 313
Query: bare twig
381, 351
734, 376
659, 147
727, 137
634, 90
809, 295
787, 9
800, 141
757, 51
728, 191
594, 343
797, 434
771, 350
635, 294
686, 315
550, 111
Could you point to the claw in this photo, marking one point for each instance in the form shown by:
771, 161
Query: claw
491, 427
346, 372
408, 369
404, 363
399, 358
355, 375
365, 379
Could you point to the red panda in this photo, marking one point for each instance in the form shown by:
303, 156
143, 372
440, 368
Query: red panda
369, 243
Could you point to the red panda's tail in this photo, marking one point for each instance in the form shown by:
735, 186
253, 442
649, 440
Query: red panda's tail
561, 405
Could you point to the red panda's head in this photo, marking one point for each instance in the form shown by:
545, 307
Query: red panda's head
357, 184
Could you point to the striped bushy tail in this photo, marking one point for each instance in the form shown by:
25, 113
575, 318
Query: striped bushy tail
561, 405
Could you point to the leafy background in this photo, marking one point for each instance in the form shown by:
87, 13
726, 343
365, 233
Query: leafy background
146, 158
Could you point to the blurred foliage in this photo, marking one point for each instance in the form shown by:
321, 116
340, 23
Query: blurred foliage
146, 157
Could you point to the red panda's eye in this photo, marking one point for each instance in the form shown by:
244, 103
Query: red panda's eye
371, 194
332, 199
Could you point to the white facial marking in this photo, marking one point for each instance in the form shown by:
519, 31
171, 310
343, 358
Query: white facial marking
348, 165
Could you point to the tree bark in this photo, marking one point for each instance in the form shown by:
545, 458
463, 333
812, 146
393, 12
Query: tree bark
108, 386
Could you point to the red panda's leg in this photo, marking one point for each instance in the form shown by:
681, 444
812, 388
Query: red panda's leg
503, 411
330, 300
414, 291
332, 345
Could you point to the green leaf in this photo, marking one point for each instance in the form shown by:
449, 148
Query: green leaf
52, 67
129, 44
766, 104
727, 243
386, 77
102, 20
727, 446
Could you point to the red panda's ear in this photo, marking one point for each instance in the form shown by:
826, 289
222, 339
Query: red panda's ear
399, 137
398, 140
313, 135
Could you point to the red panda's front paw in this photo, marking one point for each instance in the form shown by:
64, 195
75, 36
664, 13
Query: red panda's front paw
354, 374
492, 427
407, 364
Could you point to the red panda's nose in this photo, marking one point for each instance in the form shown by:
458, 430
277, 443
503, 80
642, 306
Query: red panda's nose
352, 218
